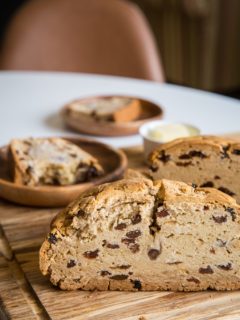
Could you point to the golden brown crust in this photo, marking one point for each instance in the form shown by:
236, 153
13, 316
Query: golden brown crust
16, 172
213, 141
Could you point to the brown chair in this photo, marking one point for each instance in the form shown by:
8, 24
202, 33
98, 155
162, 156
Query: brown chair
92, 36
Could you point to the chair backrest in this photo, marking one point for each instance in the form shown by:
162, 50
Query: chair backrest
92, 36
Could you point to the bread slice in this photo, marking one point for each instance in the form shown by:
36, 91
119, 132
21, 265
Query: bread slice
205, 161
50, 161
116, 109
143, 235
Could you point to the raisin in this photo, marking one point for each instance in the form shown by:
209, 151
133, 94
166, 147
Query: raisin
184, 156
193, 279
71, 264
225, 267
112, 246
133, 234
206, 208
217, 178
212, 250
136, 219
164, 157
153, 254
197, 154
124, 266
207, 270
134, 247
192, 154
137, 284
220, 219
184, 164
121, 226
91, 254
153, 168
55, 181
104, 273
227, 191
208, 184
224, 152
91, 173
29, 170
80, 213
128, 241
163, 213
232, 212
236, 152
104, 242
52, 238
119, 277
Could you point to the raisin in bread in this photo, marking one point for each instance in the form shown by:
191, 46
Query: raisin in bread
205, 161
143, 235
50, 161
117, 109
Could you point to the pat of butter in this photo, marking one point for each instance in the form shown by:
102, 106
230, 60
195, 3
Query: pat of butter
169, 132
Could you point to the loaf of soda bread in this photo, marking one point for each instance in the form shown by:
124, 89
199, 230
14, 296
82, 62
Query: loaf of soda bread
142, 235
115, 108
50, 161
205, 161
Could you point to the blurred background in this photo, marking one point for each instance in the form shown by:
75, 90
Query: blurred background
198, 41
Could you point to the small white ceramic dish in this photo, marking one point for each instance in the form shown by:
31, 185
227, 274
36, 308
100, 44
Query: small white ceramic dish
151, 142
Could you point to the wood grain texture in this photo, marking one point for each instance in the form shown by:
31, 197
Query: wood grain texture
25, 229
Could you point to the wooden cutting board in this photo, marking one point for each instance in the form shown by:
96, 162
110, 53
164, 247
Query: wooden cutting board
26, 294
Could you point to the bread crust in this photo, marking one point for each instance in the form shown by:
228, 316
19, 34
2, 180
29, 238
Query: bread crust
215, 142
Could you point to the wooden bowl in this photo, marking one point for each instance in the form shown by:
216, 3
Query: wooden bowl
149, 111
113, 161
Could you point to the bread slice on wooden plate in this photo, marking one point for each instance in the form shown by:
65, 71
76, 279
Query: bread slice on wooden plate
205, 161
51, 161
112, 108
143, 235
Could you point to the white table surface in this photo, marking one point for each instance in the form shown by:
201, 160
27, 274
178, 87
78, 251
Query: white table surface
30, 102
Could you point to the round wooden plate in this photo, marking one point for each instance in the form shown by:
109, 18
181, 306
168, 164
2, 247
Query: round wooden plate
113, 161
149, 111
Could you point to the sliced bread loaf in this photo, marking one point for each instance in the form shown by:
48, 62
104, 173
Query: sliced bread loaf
205, 161
112, 108
144, 235
50, 161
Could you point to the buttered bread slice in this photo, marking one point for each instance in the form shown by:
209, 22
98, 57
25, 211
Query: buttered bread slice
51, 161
112, 108
205, 161
143, 235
